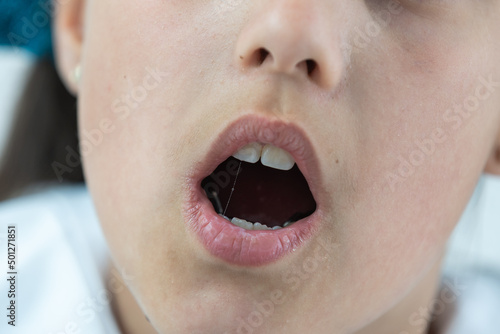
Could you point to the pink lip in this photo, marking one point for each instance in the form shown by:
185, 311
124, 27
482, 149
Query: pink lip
231, 243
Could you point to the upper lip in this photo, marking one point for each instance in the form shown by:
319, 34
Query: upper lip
275, 131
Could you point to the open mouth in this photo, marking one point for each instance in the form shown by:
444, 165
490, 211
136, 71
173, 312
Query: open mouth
260, 188
257, 194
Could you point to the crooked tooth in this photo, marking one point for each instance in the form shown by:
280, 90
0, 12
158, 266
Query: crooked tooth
259, 226
277, 158
248, 225
249, 153
242, 223
253, 226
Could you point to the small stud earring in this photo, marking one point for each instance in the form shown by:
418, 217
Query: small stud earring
77, 73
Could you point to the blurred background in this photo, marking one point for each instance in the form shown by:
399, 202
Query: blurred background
474, 243
14, 67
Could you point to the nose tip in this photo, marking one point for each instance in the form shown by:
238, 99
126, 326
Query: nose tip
287, 40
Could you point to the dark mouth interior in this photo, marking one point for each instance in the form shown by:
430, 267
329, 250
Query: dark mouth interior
261, 194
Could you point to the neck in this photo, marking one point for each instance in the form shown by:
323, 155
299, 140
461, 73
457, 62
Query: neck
128, 314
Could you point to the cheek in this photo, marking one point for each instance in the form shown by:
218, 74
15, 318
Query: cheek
420, 126
419, 108
133, 162
134, 171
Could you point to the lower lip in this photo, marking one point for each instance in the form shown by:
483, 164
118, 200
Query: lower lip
241, 247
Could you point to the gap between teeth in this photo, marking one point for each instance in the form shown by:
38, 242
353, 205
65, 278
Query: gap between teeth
269, 155
253, 226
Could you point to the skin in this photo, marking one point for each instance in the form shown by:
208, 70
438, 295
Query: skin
363, 108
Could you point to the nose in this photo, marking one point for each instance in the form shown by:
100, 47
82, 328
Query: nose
292, 37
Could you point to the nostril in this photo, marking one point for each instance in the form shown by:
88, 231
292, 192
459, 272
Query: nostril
311, 66
263, 54
256, 58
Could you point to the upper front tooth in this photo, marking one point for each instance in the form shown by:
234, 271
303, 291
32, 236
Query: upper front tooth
249, 153
277, 158
270, 156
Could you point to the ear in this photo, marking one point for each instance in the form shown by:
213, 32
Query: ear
493, 164
68, 39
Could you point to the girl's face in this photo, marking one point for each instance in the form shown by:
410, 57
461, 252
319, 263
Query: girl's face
389, 109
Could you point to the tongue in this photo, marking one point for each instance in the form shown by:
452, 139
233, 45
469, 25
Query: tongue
265, 195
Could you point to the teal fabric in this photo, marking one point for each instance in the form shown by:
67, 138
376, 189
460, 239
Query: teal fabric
26, 24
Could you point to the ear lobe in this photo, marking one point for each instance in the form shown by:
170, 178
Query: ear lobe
493, 164
68, 39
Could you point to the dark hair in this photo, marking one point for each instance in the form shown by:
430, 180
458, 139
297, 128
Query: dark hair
45, 124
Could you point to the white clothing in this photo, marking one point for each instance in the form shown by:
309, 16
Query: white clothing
61, 264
